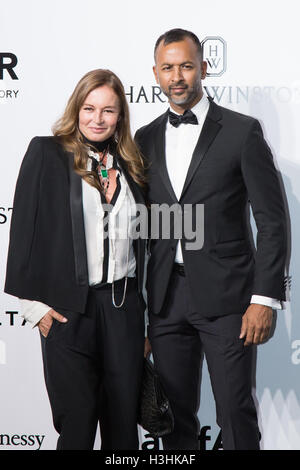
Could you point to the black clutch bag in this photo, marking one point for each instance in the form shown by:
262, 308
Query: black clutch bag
155, 414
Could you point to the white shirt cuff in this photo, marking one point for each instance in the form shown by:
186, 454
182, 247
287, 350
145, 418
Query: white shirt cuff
33, 311
267, 301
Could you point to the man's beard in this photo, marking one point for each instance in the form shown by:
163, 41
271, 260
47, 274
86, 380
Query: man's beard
192, 93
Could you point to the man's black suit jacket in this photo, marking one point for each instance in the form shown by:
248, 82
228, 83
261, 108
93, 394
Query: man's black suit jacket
47, 258
231, 165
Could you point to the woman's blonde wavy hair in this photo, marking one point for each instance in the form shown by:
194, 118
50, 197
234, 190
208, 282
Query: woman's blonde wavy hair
66, 129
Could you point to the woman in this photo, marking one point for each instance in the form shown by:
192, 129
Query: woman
80, 275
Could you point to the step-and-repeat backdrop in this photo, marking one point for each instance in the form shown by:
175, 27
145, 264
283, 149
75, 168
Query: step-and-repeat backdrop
252, 50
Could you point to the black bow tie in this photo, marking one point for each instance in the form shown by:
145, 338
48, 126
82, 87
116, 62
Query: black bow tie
188, 117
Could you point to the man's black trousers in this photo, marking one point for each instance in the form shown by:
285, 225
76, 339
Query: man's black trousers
178, 337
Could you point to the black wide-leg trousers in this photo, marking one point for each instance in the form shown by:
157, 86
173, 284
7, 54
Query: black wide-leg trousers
93, 367
178, 336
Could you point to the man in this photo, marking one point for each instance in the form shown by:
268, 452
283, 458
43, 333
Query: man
218, 298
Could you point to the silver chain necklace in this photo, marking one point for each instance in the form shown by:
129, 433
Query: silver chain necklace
127, 260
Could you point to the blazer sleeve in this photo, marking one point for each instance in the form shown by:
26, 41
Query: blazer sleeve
33, 311
266, 199
25, 207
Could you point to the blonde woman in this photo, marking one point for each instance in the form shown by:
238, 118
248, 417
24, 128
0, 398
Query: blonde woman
78, 273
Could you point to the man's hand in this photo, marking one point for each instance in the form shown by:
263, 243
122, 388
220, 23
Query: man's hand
256, 324
46, 322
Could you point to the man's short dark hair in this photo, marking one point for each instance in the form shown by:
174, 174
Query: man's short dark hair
176, 35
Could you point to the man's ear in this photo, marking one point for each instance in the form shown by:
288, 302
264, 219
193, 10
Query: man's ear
203, 69
155, 73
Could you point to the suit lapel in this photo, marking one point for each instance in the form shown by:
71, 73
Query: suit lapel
160, 155
140, 243
209, 132
136, 191
79, 243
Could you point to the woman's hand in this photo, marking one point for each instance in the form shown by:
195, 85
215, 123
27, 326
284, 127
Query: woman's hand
46, 322
147, 347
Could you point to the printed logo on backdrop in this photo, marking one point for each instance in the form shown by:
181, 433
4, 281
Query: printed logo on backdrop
5, 213
214, 53
33, 441
12, 318
8, 64
9, 319
209, 439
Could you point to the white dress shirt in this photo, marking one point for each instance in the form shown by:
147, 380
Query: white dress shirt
121, 222
180, 144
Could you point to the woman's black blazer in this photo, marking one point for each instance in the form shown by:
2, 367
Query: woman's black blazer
47, 258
